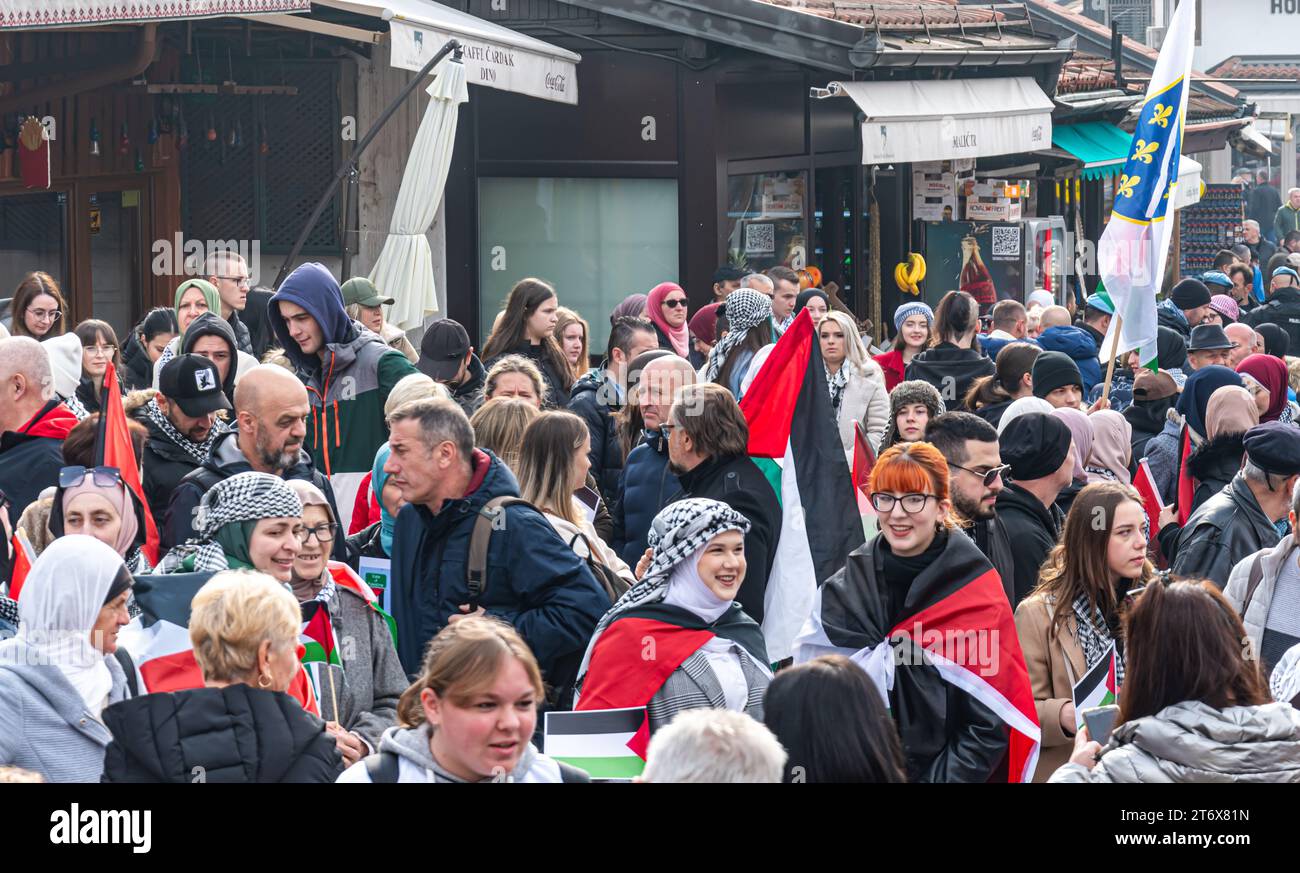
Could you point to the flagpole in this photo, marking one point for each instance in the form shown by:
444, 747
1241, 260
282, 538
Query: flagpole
1114, 350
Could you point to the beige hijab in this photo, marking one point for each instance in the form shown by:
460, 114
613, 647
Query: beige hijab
1112, 445
1230, 410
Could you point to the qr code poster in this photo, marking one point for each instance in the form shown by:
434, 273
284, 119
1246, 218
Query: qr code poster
760, 239
1006, 241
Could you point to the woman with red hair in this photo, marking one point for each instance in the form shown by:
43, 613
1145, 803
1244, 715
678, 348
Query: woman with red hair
875, 608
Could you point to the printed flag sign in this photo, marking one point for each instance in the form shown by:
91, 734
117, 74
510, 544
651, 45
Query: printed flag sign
607, 743
1097, 688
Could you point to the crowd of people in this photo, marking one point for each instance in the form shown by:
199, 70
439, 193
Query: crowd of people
494, 535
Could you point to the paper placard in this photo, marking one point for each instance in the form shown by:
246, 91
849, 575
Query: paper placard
377, 572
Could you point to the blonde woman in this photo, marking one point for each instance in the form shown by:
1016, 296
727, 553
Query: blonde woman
499, 427
572, 332
365, 304
470, 715
553, 464
856, 382
241, 726
515, 376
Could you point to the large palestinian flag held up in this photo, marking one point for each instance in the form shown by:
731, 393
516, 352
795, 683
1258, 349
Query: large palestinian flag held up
159, 638
961, 627
794, 440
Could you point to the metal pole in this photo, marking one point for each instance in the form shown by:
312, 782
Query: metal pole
350, 164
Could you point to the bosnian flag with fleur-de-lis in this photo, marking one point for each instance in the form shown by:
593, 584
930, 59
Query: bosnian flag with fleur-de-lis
1135, 244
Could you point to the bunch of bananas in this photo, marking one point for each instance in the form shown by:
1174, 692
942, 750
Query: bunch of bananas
909, 273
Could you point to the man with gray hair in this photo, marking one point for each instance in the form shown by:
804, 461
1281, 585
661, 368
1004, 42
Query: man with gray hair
759, 282
1260, 248
1262, 580
1241, 519
714, 745
524, 574
1287, 217
33, 424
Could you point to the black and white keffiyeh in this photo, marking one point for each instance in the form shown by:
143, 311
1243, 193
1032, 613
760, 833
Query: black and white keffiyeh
1094, 636
243, 497
746, 308
198, 451
836, 383
677, 532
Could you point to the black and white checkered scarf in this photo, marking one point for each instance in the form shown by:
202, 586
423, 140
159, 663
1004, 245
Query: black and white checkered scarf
198, 451
1094, 637
836, 383
745, 308
243, 497
677, 532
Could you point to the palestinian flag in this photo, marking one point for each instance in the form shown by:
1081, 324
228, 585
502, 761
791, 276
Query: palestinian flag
607, 743
1097, 688
962, 628
1145, 484
24, 557
794, 439
345, 577
113, 449
158, 639
1186, 484
864, 458
317, 634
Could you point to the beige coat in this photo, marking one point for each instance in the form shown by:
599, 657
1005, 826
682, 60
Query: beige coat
1055, 664
395, 337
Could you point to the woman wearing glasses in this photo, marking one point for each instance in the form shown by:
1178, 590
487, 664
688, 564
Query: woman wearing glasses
1070, 623
38, 309
98, 350
916, 561
367, 686
94, 501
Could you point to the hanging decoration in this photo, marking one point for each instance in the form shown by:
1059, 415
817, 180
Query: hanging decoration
212, 128
153, 131
94, 139
124, 141
139, 161
182, 131
34, 153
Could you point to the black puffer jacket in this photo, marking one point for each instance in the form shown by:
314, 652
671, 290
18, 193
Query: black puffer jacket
947, 735
737, 482
1033, 528
137, 369
1213, 465
470, 394
232, 734
1228, 527
951, 370
595, 400
164, 463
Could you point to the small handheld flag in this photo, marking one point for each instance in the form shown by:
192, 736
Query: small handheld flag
1186, 483
1145, 483
1097, 688
607, 743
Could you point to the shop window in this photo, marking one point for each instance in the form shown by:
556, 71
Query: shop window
765, 224
595, 240
31, 238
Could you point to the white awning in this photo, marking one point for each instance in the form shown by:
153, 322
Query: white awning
494, 56
27, 14
950, 118
1188, 190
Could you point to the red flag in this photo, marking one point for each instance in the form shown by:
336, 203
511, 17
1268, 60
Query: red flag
23, 559
1186, 484
863, 461
1145, 483
114, 444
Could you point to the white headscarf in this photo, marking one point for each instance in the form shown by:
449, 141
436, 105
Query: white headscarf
1021, 407
65, 362
59, 606
687, 590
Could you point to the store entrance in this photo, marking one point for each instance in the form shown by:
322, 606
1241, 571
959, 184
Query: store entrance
117, 279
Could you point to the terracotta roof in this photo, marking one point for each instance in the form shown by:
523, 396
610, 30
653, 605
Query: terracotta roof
1083, 73
1262, 68
901, 14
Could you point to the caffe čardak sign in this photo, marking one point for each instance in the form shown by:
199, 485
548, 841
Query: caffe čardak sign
506, 67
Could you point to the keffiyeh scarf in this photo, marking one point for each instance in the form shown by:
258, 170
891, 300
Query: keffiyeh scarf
1094, 637
198, 451
836, 383
678, 531
245, 497
746, 308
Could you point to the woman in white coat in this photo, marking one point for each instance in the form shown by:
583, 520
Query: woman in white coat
856, 383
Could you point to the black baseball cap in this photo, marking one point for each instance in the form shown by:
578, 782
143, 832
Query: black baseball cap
442, 350
728, 273
193, 383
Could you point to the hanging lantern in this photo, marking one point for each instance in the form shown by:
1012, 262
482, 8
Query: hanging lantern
153, 131
139, 162
182, 132
124, 141
212, 128
265, 147
94, 139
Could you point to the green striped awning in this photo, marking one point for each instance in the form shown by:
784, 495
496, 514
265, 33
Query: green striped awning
1103, 148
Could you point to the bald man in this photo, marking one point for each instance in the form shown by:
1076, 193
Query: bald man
1248, 342
1060, 335
646, 484
271, 410
33, 424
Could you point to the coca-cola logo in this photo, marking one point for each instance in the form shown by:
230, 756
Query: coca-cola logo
556, 82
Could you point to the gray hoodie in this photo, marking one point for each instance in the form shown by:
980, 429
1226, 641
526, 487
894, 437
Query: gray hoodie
1193, 742
416, 763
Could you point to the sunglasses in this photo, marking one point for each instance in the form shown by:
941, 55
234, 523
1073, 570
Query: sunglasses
988, 476
676, 302
105, 477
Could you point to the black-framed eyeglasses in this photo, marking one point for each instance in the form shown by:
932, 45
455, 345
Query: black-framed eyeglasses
675, 302
911, 503
238, 280
989, 476
104, 477
324, 533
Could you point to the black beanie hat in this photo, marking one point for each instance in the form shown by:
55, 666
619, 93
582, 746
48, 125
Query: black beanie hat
1035, 445
1189, 294
1052, 370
